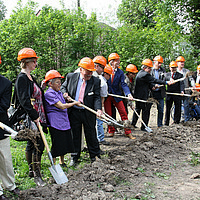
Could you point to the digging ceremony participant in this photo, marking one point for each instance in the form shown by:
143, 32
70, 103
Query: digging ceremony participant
159, 72
130, 81
144, 82
178, 87
188, 81
26, 88
56, 109
7, 176
85, 88
100, 63
114, 83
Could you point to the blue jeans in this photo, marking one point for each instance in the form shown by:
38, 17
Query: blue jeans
186, 109
160, 108
100, 130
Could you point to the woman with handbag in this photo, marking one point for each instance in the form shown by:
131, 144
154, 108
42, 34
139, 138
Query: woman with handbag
26, 88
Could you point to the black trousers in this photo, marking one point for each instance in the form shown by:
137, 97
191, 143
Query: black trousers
177, 111
145, 107
78, 118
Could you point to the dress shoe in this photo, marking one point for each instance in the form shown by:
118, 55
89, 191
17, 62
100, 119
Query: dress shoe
135, 126
110, 134
2, 197
63, 165
16, 191
130, 136
93, 160
104, 142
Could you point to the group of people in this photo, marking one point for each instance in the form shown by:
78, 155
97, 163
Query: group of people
63, 107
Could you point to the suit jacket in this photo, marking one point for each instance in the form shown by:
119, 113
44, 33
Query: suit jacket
177, 87
92, 97
160, 93
5, 98
144, 82
118, 81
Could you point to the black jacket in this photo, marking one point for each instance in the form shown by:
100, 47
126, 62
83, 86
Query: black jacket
177, 87
92, 97
5, 97
23, 92
144, 82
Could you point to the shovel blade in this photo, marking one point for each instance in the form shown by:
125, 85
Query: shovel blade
58, 174
149, 130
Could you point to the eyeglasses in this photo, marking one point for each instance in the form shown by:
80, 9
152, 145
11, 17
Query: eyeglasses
101, 66
108, 74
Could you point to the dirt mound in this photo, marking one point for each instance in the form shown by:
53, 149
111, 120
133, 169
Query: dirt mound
154, 166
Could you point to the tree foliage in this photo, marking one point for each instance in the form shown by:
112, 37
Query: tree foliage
62, 37
2, 10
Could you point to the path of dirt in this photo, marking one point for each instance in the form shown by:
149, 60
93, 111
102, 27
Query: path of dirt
154, 166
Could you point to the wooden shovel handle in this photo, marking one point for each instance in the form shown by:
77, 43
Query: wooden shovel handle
43, 137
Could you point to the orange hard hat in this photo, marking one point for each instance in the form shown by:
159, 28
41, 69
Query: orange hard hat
180, 59
87, 63
108, 69
131, 68
158, 58
101, 60
197, 85
51, 75
147, 62
113, 56
26, 53
198, 67
0, 59
173, 64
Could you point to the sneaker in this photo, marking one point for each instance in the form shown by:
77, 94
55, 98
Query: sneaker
104, 142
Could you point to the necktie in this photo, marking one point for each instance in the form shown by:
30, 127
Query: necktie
173, 75
113, 77
82, 91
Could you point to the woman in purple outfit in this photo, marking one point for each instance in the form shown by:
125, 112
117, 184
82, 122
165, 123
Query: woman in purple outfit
59, 125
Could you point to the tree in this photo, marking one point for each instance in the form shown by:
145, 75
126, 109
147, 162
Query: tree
138, 12
2, 10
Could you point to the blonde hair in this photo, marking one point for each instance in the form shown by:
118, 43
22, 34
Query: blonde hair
26, 60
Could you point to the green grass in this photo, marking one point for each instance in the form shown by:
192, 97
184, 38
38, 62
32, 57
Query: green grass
20, 165
195, 159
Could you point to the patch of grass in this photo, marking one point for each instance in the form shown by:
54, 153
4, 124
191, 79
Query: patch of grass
195, 159
140, 169
162, 175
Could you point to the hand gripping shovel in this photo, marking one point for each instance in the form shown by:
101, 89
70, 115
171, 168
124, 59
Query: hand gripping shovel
146, 127
55, 170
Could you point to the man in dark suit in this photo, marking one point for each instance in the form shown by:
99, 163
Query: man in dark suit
78, 116
178, 87
6, 167
144, 82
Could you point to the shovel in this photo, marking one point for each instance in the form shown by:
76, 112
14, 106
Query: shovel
55, 170
9, 130
149, 130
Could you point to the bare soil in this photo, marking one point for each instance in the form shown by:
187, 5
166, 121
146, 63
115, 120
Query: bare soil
154, 166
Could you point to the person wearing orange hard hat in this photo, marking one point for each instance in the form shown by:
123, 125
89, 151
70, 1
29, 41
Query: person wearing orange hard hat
26, 88
59, 125
85, 88
100, 63
178, 87
130, 81
144, 82
158, 72
188, 82
7, 176
114, 83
